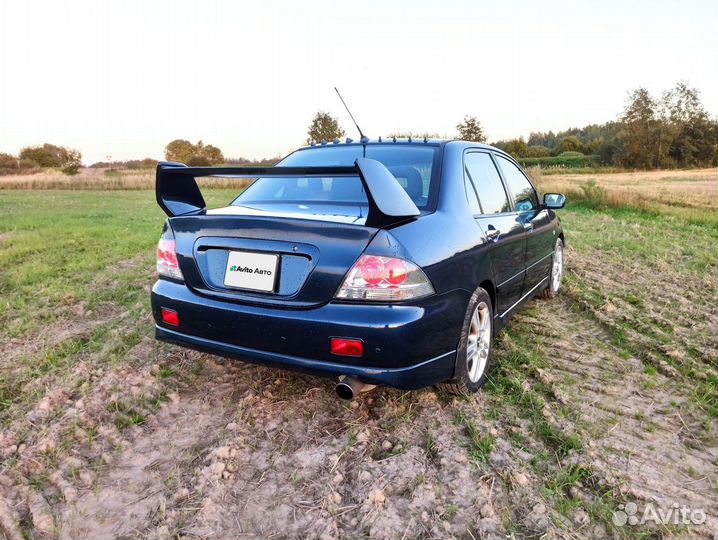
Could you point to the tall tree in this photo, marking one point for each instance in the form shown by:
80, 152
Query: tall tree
692, 131
179, 150
517, 147
642, 131
324, 127
71, 161
47, 155
199, 154
470, 130
569, 144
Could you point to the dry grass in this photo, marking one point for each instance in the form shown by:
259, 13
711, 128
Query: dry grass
100, 179
690, 194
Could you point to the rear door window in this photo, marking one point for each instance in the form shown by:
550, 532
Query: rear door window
471, 195
523, 193
480, 169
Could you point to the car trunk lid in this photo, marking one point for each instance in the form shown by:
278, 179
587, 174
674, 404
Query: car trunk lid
308, 256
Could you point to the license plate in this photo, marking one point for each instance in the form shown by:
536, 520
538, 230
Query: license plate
253, 271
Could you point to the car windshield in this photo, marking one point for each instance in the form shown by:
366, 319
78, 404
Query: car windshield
412, 165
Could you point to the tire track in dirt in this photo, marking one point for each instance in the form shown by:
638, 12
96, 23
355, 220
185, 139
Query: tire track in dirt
667, 310
642, 430
176, 443
250, 451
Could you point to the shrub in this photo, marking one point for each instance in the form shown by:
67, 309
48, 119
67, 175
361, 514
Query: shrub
198, 161
8, 164
28, 165
147, 163
183, 151
47, 155
50, 155
71, 161
569, 144
538, 151
593, 195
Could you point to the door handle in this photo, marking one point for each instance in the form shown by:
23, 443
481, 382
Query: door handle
528, 227
493, 234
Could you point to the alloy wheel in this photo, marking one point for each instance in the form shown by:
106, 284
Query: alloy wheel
479, 342
557, 269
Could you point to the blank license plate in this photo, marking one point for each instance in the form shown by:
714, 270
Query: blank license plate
253, 271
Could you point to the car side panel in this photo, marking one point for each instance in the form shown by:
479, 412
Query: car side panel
539, 246
508, 257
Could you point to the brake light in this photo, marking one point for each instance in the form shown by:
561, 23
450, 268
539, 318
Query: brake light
384, 278
167, 264
347, 347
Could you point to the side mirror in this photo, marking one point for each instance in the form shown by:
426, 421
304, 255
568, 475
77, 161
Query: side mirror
554, 200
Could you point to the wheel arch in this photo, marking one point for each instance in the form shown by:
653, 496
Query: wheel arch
488, 286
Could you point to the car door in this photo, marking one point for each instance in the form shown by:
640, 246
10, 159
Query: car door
535, 219
500, 225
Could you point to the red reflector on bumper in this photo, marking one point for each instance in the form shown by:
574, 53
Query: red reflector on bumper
170, 317
347, 347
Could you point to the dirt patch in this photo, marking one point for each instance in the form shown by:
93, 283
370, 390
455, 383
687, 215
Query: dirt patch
75, 322
641, 428
230, 456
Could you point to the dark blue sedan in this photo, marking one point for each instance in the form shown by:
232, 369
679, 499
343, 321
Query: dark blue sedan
381, 262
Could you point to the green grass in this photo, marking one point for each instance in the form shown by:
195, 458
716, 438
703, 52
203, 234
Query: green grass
480, 444
642, 236
82, 256
63, 248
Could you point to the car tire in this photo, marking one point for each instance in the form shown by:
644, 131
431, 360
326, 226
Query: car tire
555, 273
477, 335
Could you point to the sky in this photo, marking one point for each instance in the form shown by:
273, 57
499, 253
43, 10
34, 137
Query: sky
123, 78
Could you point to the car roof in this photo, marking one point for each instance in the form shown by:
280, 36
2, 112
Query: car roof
404, 141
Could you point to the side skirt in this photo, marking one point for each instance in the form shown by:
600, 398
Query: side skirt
501, 320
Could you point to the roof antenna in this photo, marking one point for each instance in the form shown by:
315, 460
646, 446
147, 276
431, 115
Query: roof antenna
364, 138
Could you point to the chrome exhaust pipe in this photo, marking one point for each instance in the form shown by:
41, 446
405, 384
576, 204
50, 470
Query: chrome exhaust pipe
349, 387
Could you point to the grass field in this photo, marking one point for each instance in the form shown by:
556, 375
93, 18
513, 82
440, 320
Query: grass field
604, 396
691, 195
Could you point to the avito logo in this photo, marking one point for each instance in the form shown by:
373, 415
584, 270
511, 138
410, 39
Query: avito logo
248, 270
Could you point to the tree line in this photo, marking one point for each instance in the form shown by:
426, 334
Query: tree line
673, 130
324, 128
33, 158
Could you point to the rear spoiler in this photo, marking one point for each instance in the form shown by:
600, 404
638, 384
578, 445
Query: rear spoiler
179, 195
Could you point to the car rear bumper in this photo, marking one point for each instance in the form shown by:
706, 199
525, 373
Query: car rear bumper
407, 347
408, 378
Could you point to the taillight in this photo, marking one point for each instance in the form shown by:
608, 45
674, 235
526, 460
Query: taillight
167, 264
384, 278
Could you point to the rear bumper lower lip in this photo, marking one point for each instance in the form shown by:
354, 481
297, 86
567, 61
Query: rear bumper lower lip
410, 377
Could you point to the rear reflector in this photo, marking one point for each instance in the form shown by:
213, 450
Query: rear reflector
170, 317
347, 347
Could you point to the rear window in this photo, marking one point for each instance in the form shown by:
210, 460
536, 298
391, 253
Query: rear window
412, 165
